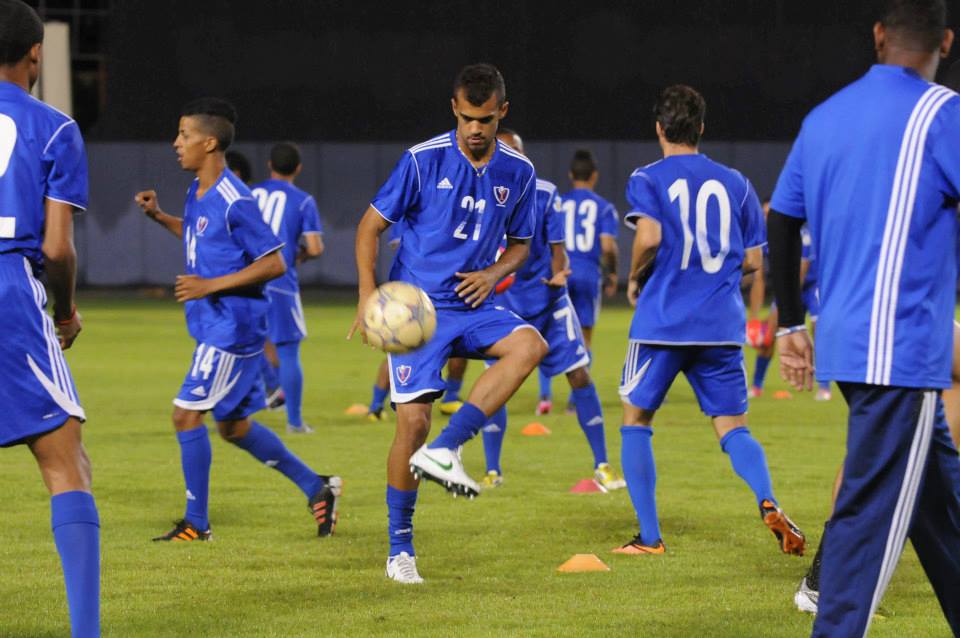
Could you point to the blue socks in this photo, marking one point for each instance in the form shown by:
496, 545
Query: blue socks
493, 433
76, 532
546, 385
749, 462
590, 415
760, 371
291, 380
640, 471
400, 506
379, 396
195, 457
452, 387
463, 426
269, 374
267, 448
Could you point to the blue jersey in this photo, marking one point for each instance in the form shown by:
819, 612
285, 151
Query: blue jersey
455, 214
588, 216
529, 296
41, 157
290, 213
709, 215
878, 187
223, 232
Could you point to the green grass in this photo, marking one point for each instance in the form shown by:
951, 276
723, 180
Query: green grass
490, 564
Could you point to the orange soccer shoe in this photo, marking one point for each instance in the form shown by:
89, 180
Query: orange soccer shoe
636, 547
791, 539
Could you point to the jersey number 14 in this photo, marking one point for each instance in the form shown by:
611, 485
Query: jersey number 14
680, 190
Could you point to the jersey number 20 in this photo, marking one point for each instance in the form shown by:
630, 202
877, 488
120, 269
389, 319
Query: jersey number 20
680, 190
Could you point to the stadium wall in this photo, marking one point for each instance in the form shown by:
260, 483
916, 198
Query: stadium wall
118, 246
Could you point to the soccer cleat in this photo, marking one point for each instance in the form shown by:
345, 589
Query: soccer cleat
544, 407
636, 547
823, 394
492, 479
606, 479
443, 466
301, 429
276, 399
755, 392
806, 599
450, 408
323, 504
184, 531
789, 536
375, 416
403, 569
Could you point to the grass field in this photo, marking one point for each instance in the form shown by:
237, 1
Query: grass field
490, 563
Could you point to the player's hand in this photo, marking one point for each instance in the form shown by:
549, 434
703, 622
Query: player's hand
559, 279
190, 287
610, 285
796, 359
633, 292
357, 325
475, 287
68, 329
147, 200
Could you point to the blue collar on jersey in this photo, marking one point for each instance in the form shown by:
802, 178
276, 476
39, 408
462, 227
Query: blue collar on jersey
481, 171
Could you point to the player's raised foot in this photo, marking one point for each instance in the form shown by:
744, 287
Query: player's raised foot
607, 479
276, 399
303, 428
789, 536
755, 392
823, 394
636, 547
323, 504
450, 408
491, 480
184, 531
443, 466
806, 598
375, 416
403, 569
544, 407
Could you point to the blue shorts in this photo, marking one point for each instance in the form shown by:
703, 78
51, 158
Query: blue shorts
37, 393
716, 373
585, 295
228, 384
460, 333
560, 328
811, 301
285, 322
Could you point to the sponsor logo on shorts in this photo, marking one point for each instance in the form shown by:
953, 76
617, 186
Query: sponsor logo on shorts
403, 374
502, 193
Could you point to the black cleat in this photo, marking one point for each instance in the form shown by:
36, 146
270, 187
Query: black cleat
323, 504
184, 531
276, 399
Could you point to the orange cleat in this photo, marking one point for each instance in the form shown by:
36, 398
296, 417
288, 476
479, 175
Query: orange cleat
636, 547
789, 536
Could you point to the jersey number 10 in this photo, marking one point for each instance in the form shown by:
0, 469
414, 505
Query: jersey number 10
680, 190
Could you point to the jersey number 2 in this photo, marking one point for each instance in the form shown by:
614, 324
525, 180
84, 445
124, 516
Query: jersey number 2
680, 190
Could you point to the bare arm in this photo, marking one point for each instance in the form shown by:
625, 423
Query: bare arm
367, 246
758, 291
804, 269
264, 269
312, 248
477, 286
60, 261
147, 200
609, 256
559, 266
645, 245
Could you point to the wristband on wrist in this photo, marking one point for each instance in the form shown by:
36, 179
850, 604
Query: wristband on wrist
782, 332
73, 315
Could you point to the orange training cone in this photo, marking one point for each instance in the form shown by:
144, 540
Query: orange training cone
782, 394
583, 563
357, 409
535, 429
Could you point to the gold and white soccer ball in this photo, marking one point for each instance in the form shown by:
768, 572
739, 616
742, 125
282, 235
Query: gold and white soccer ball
399, 317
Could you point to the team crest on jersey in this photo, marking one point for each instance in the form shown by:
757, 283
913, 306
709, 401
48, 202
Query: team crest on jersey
403, 374
202, 223
502, 193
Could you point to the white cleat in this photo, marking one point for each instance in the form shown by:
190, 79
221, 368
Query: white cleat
302, 429
823, 394
403, 569
443, 466
806, 599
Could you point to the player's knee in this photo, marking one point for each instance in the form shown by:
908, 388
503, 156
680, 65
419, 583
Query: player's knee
579, 378
233, 431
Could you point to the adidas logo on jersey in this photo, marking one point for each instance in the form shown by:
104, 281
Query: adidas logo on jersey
198, 391
444, 185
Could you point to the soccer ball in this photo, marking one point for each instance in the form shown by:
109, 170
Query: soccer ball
399, 317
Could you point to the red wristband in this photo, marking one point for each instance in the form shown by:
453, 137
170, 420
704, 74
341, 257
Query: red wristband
73, 315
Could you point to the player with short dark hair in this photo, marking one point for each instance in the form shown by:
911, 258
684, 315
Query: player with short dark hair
457, 194
240, 165
43, 181
292, 215
698, 227
230, 253
539, 296
591, 242
885, 332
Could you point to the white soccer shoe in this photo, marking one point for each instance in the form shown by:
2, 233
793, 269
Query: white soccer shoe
301, 429
443, 466
806, 599
403, 569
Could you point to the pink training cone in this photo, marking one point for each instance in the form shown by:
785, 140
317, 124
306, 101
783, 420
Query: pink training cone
586, 486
